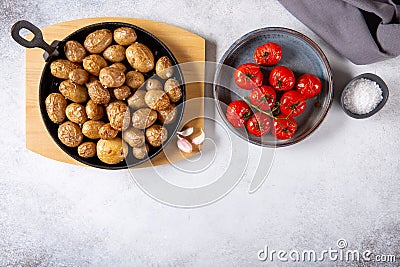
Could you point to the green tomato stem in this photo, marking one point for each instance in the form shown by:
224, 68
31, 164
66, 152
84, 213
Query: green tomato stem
258, 109
268, 113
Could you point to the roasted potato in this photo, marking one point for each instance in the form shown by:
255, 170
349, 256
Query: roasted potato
76, 113
140, 57
143, 118
136, 101
70, 134
114, 53
173, 90
125, 36
91, 129
61, 68
92, 78
168, 115
79, 76
122, 92
98, 40
156, 99
74, 51
93, 64
112, 151
140, 152
164, 68
120, 66
111, 77
94, 111
153, 84
134, 79
98, 93
115, 91
156, 135
134, 137
72, 91
55, 107
87, 150
107, 132
118, 114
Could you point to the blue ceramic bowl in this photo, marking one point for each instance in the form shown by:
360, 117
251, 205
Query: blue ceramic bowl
300, 54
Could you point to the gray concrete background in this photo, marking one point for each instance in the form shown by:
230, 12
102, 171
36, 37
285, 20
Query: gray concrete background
342, 182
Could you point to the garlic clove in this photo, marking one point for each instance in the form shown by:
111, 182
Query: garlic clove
184, 145
186, 132
198, 140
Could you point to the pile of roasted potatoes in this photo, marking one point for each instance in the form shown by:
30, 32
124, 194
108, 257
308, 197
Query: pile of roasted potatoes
104, 103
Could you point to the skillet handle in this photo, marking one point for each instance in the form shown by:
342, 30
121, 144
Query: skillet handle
37, 40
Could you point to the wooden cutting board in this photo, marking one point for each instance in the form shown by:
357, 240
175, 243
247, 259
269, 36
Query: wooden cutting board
186, 46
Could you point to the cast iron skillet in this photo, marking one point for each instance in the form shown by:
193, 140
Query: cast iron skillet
49, 84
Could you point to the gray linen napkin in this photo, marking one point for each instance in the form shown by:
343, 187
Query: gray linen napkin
364, 31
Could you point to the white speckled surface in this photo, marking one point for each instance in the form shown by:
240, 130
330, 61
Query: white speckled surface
342, 182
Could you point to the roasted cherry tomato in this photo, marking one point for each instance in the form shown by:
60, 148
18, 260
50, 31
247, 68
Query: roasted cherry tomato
248, 76
237, 113
308, 85
284, 127
259, 124
292, 103
263, 97
281, 78
268, 54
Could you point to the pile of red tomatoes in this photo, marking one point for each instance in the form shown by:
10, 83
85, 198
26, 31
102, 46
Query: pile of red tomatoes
276, 103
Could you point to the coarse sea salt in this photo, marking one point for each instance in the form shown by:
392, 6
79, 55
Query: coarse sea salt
362, 96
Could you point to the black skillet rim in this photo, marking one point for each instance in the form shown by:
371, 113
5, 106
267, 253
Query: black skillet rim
47, 122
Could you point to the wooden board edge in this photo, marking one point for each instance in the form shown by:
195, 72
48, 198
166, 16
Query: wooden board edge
62, 156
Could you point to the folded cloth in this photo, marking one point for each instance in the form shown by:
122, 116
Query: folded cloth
364, 31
